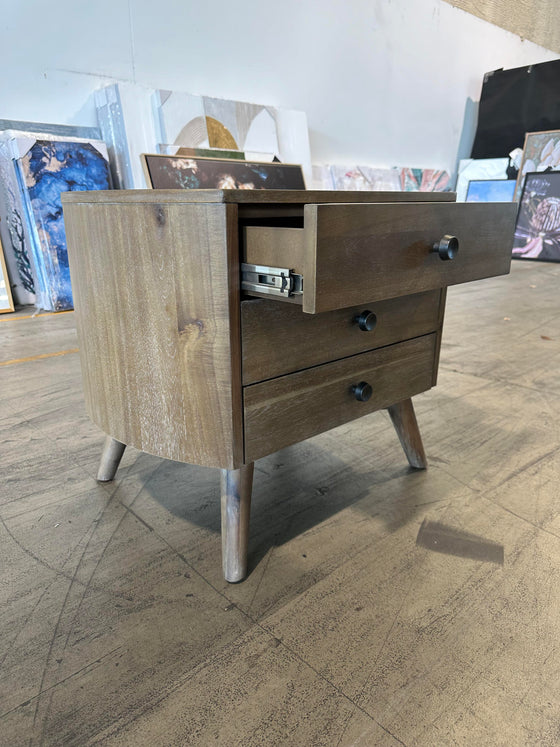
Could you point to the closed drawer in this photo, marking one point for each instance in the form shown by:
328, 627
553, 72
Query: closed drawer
291, 408
278, 339
351, 254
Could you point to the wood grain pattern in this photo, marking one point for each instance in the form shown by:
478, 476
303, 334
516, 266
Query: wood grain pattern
404, 420
157, 306
355, 253
251, 196
292, 408
278, 339
266, 245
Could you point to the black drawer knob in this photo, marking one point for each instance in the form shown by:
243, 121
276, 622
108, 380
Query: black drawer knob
366, 321
447, 247
362, 391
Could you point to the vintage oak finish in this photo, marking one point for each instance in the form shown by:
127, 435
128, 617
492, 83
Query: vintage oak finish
352, 254
404, 420
179, 362
279, 339
157, 297
300, 405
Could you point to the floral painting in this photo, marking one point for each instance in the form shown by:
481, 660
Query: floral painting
183, 172
541, 152
45, 170
537, 233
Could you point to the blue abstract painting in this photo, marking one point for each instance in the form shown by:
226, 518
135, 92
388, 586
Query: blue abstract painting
46, 170
491, 190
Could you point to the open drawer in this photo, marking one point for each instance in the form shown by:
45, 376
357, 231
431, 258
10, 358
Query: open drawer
349, 254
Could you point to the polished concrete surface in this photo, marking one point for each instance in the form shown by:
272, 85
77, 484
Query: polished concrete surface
384, 605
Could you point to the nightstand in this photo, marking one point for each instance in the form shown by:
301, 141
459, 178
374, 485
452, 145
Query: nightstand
217, 327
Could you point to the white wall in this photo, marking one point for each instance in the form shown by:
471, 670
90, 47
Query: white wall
383, 82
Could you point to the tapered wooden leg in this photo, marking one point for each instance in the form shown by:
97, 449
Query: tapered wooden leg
404, 420
237, 485
110, 459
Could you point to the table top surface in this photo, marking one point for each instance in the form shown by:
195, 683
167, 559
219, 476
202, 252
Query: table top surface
250, 196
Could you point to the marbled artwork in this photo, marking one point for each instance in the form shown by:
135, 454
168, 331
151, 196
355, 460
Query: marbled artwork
541, 152
14, 231
184, 172
45, 169
537, 231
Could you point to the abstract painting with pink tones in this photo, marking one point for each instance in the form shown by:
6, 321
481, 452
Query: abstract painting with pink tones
424, 180
185, 172
537, 232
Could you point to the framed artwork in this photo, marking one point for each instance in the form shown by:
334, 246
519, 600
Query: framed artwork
184, 172
45, 168
483, 168
490, 190
537, 231
6, 300
541, 152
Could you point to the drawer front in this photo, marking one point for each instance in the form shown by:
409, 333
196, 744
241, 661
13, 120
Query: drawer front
278, 339
353, 254
291, 408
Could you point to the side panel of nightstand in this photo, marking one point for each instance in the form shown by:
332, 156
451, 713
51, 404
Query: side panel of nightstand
156, 291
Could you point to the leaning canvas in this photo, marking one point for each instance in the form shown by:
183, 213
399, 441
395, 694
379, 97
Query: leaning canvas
482, 168
14, 231
45, 168
184, 172
541, 152
490, 190
205, 122
537, 232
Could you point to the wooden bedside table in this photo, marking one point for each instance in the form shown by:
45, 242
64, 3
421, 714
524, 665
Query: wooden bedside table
217, 327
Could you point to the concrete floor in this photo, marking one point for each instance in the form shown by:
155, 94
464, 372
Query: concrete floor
384, 606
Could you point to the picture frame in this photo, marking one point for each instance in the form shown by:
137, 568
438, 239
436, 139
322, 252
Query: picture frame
490, 190
541, 152
537, 229
483, 168
6, 298
187, 172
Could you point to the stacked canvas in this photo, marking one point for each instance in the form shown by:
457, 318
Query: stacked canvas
136, 120
124, 113
395, 179
35, 169
261, 132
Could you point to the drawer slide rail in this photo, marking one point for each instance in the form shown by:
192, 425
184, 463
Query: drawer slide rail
273, 281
